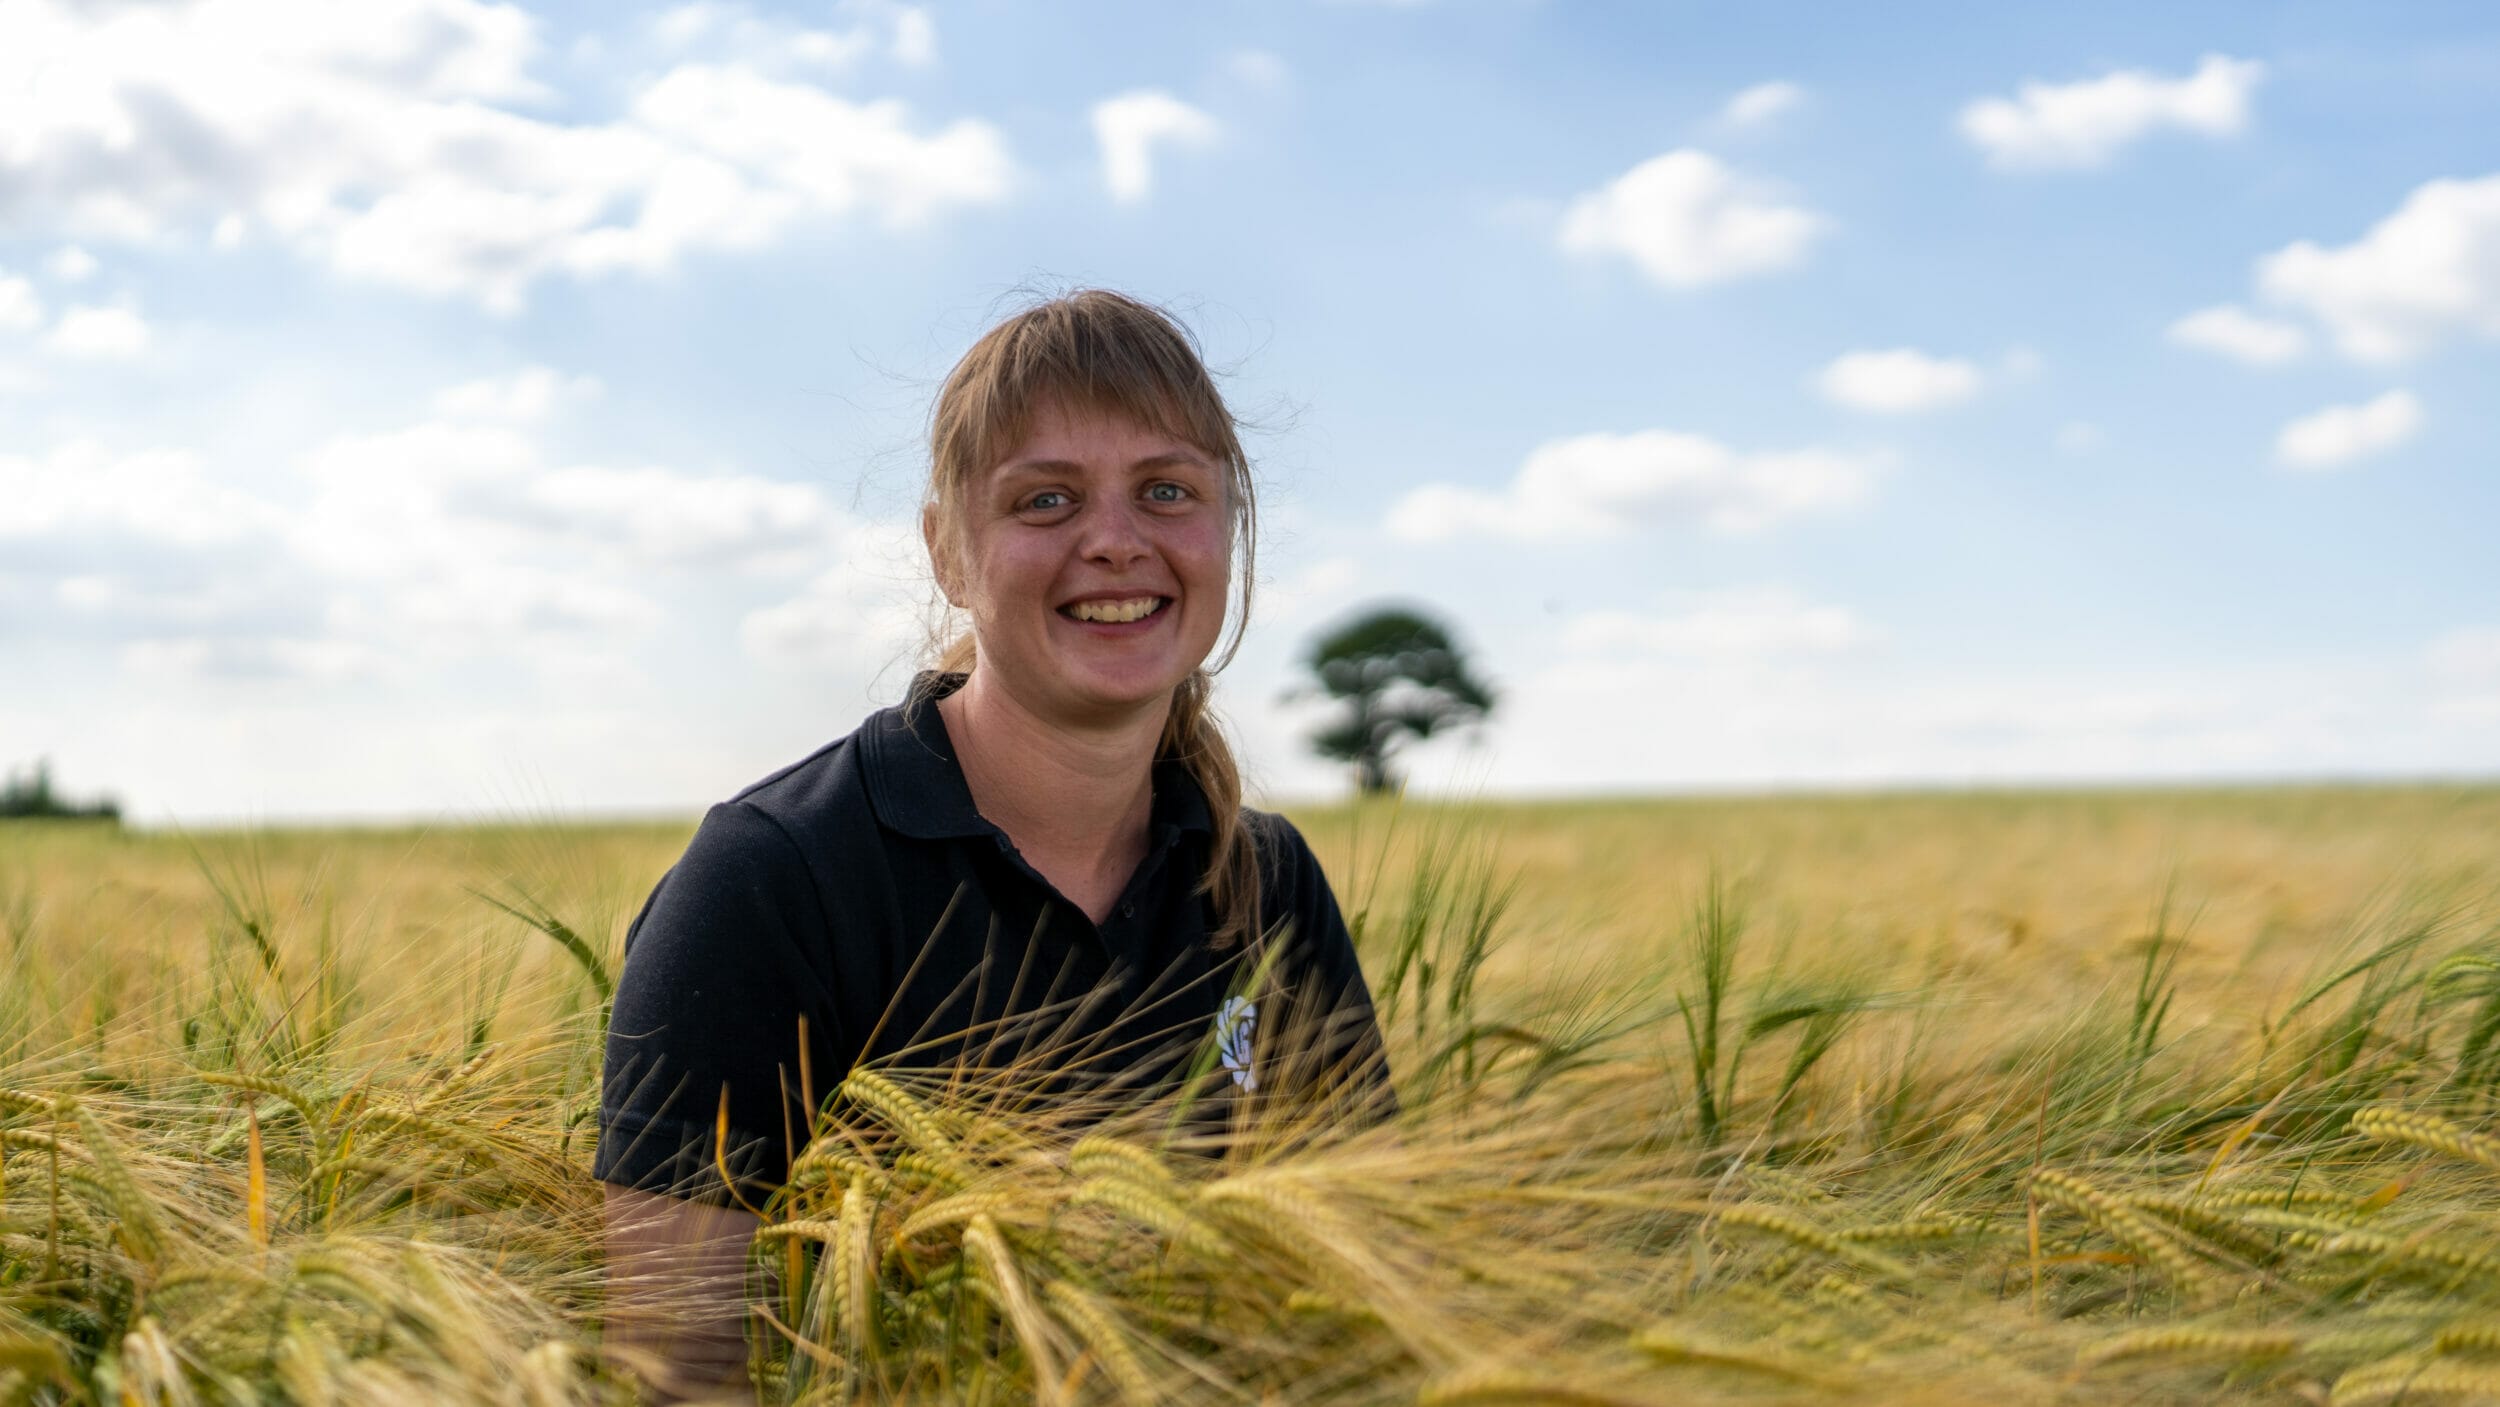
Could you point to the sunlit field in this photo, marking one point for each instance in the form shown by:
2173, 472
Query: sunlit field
2004, 1098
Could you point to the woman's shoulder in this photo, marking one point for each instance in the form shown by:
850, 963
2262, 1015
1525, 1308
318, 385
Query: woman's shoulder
827, 790
762, 844
1287, 865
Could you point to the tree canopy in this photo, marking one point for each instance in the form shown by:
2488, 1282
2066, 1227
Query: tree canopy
1398, 675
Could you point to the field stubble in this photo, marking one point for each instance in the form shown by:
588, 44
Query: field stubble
2164, 1097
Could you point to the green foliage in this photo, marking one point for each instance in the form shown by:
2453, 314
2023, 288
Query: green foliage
29, 795
1397, 674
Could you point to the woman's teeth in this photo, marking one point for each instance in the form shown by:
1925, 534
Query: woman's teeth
1116, 612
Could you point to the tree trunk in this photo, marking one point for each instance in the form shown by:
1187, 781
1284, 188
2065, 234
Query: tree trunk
1371, 773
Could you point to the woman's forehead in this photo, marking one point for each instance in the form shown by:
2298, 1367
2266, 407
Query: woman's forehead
1058, 432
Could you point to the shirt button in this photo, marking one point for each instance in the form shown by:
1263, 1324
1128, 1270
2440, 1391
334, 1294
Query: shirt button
1128, 911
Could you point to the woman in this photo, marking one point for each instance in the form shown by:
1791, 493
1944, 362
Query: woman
1037, 868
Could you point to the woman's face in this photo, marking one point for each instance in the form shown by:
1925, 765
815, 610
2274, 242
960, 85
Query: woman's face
1095, 563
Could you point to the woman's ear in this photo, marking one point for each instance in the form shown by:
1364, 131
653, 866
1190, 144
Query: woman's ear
941, 557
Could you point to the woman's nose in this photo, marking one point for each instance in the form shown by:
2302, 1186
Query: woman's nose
1114, 537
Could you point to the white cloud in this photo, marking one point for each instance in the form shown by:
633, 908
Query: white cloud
518, 598
2470, 655
2241, 335
664, 516
1761, 105
1257, 68
863, 613
1736, 623
527, 395
1898, 381
915, 37
1320, 588
159, 496
378, 140
100, 334
20, 309
718, 31
1686, 220
71, 264
1602, 485
1129, 127
2430, 269
395, 552
439, 497
2085, 123
186, 659
2340, 434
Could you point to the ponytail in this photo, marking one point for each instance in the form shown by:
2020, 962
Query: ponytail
1194, 737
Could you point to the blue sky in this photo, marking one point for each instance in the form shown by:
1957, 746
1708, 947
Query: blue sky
440, 408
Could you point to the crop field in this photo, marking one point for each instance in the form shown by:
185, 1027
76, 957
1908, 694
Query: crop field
2160, 1096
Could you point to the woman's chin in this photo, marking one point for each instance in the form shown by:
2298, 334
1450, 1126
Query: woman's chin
1123, 689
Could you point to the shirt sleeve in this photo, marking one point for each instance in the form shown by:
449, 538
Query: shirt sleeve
702, 1066
1328, 1042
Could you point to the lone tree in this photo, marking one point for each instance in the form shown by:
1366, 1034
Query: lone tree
1399, 676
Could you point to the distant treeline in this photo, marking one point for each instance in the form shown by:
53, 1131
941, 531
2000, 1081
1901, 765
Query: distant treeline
30, 793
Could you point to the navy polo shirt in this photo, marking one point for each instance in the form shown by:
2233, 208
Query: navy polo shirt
860, 889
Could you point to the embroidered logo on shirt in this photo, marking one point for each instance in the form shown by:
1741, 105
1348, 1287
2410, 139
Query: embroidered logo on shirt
1233, 1028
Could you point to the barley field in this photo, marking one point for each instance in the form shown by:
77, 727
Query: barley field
2159, 1096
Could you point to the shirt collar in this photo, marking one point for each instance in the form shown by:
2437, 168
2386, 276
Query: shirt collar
918, 788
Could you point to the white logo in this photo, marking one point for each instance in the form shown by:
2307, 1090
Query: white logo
1233, 1028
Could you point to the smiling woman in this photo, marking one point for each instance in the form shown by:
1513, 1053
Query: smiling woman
1037, 869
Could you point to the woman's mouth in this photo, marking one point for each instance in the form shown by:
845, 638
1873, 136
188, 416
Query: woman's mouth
1115, 611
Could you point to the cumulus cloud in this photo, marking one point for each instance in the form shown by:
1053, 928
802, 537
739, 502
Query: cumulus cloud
1898, 381
862, 613
438, 496
2084, 124
2241, 335
2340, 434
1602, 485
20, 309
719, 31
100, 334
1258, 69
915, 37
71, 264
2421, 274
1686, 220
1733, 623
1129, 129
1317, 589
382, 140
451, 538
662, 515
158, 496
526, 395
1761, 105
184, 659
2470, 655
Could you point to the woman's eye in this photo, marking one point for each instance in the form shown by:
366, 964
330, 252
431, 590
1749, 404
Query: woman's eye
1167, 493
1046, 501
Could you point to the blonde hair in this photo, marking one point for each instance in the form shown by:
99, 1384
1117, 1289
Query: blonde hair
1095, 350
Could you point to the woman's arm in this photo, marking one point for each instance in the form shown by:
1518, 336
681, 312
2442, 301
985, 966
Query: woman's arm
676, 1295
